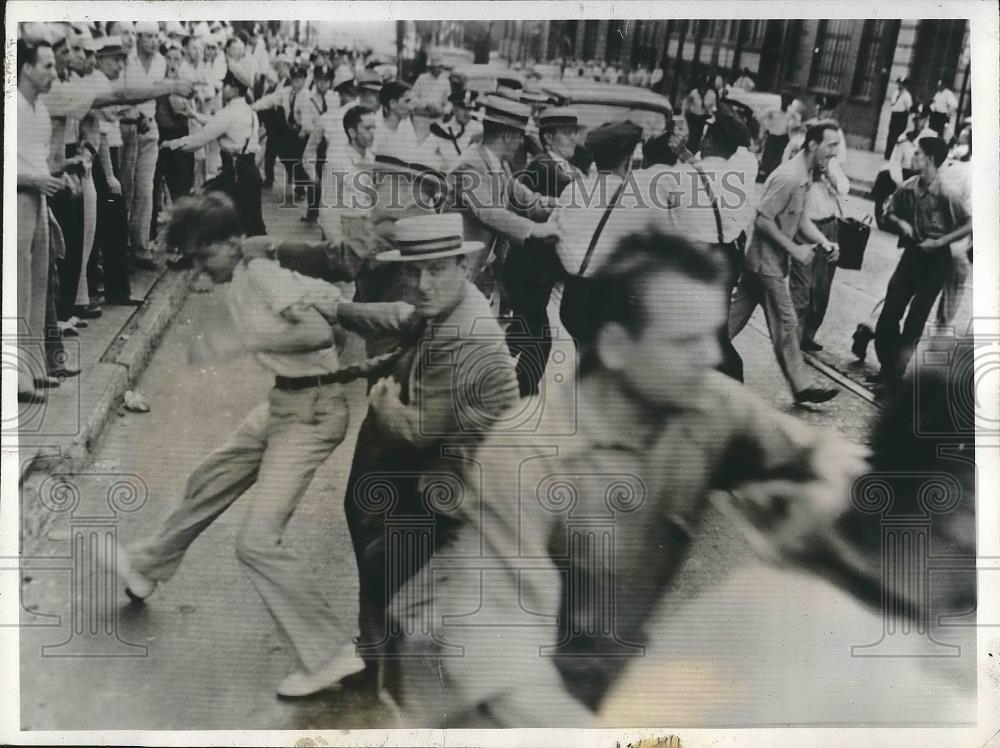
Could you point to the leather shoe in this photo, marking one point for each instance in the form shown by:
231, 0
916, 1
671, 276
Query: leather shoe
810, 346
91, 311
137, 585
816, 395
300, 683
863, 335
30, 398
124, 302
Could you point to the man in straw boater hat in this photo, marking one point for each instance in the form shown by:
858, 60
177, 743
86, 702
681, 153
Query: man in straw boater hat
496, 211
550, 171
286, 321
424, 421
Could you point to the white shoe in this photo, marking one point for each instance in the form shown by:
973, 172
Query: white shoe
137, 585
300, 683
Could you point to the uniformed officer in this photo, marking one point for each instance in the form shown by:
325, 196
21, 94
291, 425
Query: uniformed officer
235, 128
455, 133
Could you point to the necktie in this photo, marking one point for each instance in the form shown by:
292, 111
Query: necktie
291, 108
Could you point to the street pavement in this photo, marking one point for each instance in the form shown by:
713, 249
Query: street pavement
213, 655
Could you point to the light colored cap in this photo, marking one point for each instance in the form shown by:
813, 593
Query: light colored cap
110, 45
174, 28
147, 27
200, 30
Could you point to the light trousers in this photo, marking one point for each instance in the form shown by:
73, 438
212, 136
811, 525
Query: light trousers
276, 450
771, 292
32, 283
139, 155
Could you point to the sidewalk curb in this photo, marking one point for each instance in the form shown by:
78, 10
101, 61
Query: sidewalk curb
120, 366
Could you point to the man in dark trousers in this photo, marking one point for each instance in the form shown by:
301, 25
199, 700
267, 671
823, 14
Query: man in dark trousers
929, 218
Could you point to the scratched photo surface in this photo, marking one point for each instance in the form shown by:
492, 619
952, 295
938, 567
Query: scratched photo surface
496, 373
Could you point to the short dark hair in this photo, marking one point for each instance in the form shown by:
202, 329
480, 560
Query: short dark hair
613, 293
27, 52
934, 148
198, 221
392, 91
816, 131
352, 118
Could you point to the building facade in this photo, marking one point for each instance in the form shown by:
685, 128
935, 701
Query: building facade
853, 60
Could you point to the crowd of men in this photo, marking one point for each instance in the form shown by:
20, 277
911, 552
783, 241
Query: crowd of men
515, 272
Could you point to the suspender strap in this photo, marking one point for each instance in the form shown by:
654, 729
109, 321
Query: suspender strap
715, 203
600, 227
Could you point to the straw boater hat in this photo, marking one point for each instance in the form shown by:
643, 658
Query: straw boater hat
370, 81
559, 116
505, 112
428, 237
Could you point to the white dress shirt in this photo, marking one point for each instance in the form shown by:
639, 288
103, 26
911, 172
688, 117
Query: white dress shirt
34, 133
138, 76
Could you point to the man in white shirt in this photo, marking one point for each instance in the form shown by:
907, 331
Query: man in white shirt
451, 137
285, 321
349, 186
899, 115
394, 132
140, 136
943, 108
431, 90
36, 71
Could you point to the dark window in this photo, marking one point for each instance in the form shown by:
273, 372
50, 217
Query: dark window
589, 39
613, 45
869, 70
830, 55
790, 55
754, 38
936, 55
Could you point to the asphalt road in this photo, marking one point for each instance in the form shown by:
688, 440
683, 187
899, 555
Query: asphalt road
213, 655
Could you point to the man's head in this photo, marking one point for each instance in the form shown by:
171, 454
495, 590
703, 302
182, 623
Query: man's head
36, 65
233, 87
504, 124
208, 229
435, 66
126, 31
650, 317
821, 143
359, 124
432, 254
193, 51
89, 55
211, 44
111, 57
395, 99
297, 77
559, 129
70, 51
146, 38
725, 134
322, 78
930, 154
174, 56
236, 47
462, 103
612, 145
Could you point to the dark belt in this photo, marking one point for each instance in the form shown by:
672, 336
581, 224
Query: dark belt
303, 383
